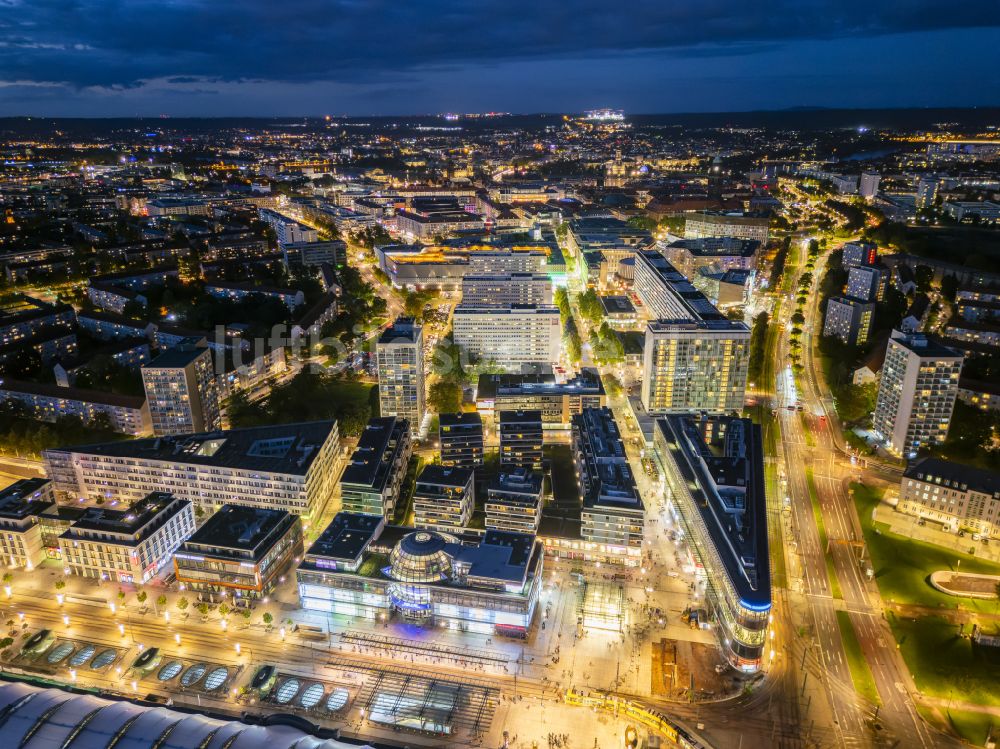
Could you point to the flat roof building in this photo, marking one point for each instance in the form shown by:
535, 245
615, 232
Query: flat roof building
371, 481
514, 500
21, 505
511, 336
498, 289
46, 402
399, 356
239, 551
848, 320
127, 546
916, 393
363, 568
557, 401
714, 472
521, 438
461, 438
443, 498
613, 516
181, 391
288, 466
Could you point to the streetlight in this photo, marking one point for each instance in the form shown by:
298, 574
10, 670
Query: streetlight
177, 638
60, 598
66, 619
166, 616
121, 629
6, 589
237, 648
111, 605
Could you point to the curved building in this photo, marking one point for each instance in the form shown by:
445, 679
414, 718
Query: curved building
35, 718
714, 472
361, 567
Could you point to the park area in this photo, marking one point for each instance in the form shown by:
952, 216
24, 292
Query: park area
931, 628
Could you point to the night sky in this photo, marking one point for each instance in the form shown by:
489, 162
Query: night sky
315, 57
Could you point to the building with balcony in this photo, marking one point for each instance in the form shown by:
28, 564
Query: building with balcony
399, 355
521, 438
514, 500
557, 401
443, 498
461, 437
21, 505
181, 391
371, 481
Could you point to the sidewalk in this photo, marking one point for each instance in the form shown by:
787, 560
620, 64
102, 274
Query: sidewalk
909, 527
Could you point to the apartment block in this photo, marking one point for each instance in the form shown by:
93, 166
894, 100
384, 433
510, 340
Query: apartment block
399, 355
443, 498
848, 319
291, 467
916, 394
958, 497
181, 391
521, 438
461, 437
21, 506
373, 477
514, 500
500, 289
511, 335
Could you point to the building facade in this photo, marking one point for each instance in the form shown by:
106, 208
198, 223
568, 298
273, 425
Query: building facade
957, 496
21, 538
374, 475
240, 551
400, 358
128, 546
521, 438
511, 335
360, 568
848, 319
443, 498
289, 466
714, 474
461, 437
181, 391
916, 394
499, 289
514, 500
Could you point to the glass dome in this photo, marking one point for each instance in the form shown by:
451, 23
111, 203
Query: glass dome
420, 557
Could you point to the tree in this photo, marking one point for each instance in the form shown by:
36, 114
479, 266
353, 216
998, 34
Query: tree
60, 584
590, 306
8, 578
268, 618
202, 608
141, 597
949, 287
224, 610
182, 603
445, 397
161, 601
246, 614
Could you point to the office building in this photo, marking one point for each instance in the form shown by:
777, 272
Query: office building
443, 498
722, 224
849, 320
313, 254
613, 515
983, 211
461, 438
287, 466
956, 496
500, 289
240, 551
181, 391
557, 401
21, 505
867, 282
714, 472
521, 438
123, 413
510, 336
855, 254
868, 184
374, 475
514, 500
128, 546
399, 355
361, 567
916, 394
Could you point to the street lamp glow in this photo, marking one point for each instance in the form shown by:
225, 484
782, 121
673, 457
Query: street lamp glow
66, 619
111, 605
282, 631
177, 638
224, 625
60, 598
237, 648
20, 615
134, 686
121, 629
72, 674
6, 589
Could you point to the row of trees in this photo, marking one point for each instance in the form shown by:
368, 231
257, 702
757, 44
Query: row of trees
23, 435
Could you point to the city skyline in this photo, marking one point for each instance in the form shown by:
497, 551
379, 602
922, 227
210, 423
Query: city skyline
212, 59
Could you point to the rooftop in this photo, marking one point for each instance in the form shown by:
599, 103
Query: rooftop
241, 527
48, 390
281, 448
955, 475
346, 536
370, 463
128, 522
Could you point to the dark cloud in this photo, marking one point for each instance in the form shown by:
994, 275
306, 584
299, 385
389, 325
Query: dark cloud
119, 44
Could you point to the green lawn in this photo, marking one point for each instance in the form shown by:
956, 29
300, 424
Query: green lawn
974, 727
945, 664
831, 571
861, 674
902, 565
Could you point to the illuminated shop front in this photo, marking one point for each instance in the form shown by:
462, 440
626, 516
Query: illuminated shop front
361, 567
